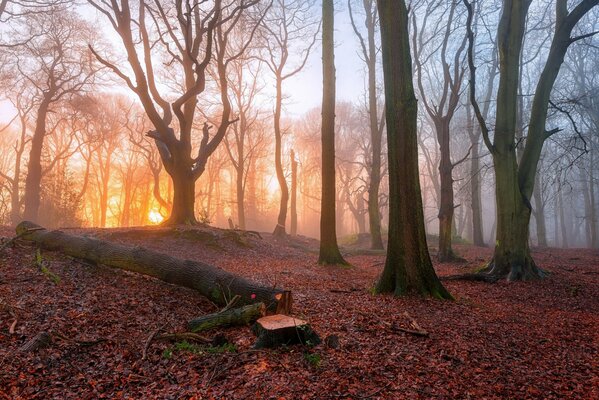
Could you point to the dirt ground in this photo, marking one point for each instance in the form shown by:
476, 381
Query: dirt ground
495, 341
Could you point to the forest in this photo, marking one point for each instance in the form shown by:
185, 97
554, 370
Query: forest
297, 199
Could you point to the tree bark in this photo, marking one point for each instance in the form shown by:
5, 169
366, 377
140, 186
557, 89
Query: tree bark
34, 168
279, 230
235, 316
446, 209
329, 250
216, 284
408, 267
293, 205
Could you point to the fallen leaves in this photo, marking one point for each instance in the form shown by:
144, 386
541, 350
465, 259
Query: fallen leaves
518, 340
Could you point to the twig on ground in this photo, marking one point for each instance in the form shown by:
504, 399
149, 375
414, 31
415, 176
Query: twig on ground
144, 353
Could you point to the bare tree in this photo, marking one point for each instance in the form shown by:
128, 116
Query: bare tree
186, 31
369, 51
515, 179
289, 26
48, 53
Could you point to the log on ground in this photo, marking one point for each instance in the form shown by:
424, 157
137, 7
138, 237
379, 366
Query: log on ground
213, 282
278, 330
233, 317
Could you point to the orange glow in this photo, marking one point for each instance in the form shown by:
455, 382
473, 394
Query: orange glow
155, 217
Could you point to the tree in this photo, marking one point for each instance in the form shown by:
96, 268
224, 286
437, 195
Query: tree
187, 31
49, 54
441, 114
289, 23
408, 267
329, 250
515, 178
369, 53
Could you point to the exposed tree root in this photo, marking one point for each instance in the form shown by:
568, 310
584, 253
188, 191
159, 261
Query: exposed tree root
493, 272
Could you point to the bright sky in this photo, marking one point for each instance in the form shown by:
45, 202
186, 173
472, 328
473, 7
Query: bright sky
304, 91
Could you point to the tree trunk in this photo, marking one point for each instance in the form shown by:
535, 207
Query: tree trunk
293, 204
240, 195
34, 169
183, 211
562, 219
329, 250
512, 257
540, 215
408, 267
282, 218
216, 284
374, 212
446, 207
475, 186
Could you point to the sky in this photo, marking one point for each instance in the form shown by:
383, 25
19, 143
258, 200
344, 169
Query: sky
304, 91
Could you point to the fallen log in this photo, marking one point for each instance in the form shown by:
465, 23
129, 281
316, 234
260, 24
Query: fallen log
278, 330
231, 317
216, 284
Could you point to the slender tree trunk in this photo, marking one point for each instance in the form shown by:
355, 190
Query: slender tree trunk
374, 212
446, 209
34, 169
540, 215
282, 218
329, 250
293, 204
475, 186
408, 267
593, 210
562, 219
15, 187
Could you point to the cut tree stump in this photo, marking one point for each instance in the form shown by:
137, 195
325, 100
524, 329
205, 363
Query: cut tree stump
216, 284
233, 317
278, 330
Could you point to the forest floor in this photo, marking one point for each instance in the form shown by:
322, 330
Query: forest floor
495, 341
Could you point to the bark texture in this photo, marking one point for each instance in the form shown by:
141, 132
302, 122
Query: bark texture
408, 267
329, 250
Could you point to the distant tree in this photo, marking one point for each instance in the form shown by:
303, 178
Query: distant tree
408, 267
289, 25
369, 52
442, 109
48, 52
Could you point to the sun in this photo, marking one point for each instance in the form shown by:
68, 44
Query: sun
155, 217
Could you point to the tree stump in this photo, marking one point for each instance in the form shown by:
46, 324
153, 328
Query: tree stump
278, 330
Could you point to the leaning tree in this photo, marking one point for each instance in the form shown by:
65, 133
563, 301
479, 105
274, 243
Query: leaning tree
515, 176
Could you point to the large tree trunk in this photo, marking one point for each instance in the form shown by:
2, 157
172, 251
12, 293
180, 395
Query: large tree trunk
408, 267
34, 168
216, 284
329, 250
183, 211
512, 257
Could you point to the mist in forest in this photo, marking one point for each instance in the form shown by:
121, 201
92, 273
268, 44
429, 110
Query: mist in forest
189, 112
